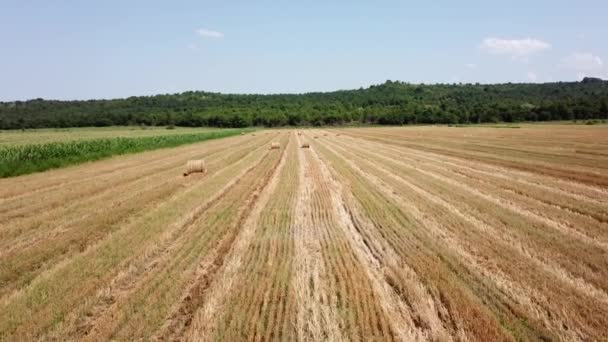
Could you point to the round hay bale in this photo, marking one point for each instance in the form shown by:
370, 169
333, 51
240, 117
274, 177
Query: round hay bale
275, 146
193, 166
305, 145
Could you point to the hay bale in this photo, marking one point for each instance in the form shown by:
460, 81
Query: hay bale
305, 145
275, 146
193, 166
253, 134
316, 136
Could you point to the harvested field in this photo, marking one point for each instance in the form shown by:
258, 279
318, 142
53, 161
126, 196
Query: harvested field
420, 233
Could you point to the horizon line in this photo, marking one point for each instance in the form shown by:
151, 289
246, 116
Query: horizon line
303, 93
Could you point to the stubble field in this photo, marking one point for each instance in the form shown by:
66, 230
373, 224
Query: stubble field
423, 233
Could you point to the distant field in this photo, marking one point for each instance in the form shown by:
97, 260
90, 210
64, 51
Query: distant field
27, 152
414, 233
46, 135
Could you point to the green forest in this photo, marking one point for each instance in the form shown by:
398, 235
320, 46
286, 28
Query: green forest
391, 103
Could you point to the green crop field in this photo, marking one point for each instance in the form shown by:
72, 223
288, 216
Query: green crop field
46, 135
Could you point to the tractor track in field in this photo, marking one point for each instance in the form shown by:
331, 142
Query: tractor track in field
342, 235
196, 294
205, 320
402, 315
266, 254
315, 318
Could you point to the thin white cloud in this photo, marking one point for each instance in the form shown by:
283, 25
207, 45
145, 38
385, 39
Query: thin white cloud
516, 48
583, 61
471, 65
205, 33
532, 76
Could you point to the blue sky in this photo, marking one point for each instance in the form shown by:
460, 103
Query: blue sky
108, 49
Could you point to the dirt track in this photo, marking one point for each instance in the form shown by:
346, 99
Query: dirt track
429, 233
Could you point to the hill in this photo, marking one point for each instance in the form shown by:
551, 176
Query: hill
392, 103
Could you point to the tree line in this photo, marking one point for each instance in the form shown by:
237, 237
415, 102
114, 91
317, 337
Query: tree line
390, 103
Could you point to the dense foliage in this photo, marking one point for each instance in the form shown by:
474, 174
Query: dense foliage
23, 159
389, 103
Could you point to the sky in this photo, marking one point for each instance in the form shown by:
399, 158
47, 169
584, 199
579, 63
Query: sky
111, 49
